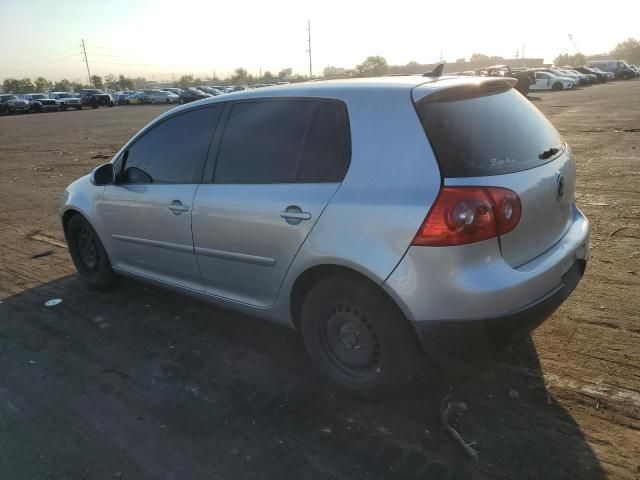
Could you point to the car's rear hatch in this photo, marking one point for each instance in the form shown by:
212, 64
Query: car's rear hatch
490, 135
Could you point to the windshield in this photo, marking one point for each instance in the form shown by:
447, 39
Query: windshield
38, 96
8, 97
64, 95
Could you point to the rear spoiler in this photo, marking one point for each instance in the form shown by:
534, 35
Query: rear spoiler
453, 89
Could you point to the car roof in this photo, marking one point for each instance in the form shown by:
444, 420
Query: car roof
414, 86
373, 85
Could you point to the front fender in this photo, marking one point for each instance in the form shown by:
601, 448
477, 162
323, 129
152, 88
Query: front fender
82, 196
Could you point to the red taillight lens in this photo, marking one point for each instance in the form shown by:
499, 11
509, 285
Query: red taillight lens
462, 215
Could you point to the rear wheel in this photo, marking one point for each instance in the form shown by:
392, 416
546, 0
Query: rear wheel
88, 254
358, 338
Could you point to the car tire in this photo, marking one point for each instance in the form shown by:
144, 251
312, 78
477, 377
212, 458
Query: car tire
88, 254
63, 107
358, 338
557, 86
79, 107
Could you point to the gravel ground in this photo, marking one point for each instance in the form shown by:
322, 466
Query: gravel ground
140, 383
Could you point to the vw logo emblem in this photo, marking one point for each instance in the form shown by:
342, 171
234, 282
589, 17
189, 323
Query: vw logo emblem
560, 185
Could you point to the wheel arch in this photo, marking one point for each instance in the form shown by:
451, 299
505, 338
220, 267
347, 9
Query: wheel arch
312, 275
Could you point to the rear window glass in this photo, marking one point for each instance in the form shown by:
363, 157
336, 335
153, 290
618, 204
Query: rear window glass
493, 134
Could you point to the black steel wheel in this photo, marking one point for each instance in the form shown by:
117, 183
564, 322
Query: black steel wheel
88, 254
358, 338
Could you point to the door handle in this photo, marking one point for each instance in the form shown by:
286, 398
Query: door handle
177, 207
294, 215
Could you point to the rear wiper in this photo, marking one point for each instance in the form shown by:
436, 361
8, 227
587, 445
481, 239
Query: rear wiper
548, 153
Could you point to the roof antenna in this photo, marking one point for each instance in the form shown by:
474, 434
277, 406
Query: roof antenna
436, 72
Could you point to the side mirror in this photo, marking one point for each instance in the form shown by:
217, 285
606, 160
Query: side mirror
103, 175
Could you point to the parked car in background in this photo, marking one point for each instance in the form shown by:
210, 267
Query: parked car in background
235, 88
525, 77
549, 81
160, 96
137, 98
94, 98
39, 102
210, 90
192, 94
585, 78
120, 98
10, 104
66, 100
601, 77
174, 90
447, 221
560, 73
620, 69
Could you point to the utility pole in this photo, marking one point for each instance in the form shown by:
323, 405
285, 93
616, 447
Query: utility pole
86, 60
309, 47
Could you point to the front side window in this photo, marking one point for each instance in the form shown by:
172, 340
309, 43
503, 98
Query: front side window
284, 141
173, 151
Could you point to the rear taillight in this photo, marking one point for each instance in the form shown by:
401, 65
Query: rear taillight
462, 215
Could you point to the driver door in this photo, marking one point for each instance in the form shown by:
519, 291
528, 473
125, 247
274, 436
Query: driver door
148, 211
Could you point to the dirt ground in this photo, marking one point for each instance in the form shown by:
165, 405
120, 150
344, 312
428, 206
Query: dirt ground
139, 383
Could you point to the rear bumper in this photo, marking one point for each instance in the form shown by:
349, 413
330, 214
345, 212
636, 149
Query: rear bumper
468, 282
470, 338
455, 288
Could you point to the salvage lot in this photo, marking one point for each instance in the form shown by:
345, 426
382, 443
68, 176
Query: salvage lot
142, 383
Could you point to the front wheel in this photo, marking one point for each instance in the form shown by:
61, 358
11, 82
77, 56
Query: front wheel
557, 86
357, 337
88, 254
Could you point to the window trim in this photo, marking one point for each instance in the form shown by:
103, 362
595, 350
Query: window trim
122, 158
214, 151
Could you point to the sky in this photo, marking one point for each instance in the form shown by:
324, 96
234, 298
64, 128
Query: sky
164, 38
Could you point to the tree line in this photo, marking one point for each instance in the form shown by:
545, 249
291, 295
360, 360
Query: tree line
373, 66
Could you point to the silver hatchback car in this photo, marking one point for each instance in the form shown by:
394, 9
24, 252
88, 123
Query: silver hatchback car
382, 217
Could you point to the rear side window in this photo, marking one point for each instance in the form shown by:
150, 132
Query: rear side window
326, 153
284, 141
496, 133
173, 151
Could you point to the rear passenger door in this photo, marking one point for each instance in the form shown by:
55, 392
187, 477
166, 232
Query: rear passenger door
275, 165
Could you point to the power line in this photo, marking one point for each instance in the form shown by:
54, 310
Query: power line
37, 67
37, 59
